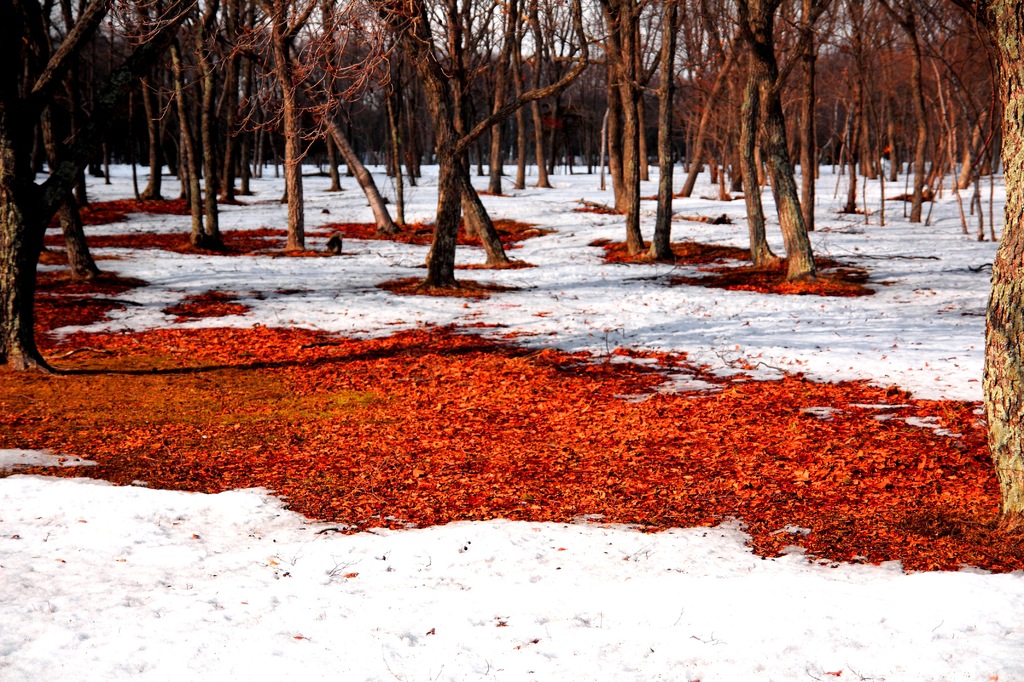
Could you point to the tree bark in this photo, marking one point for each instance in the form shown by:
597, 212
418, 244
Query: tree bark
538, 120
332, 161
757, 21
155, 182
760, 253
909, 24
190, 160
661, 248
292, 151
385, 225
1004, 338
808, 138
232, 19
621, 17
396, 152
79, 259
613, 140
497, 152
208, 125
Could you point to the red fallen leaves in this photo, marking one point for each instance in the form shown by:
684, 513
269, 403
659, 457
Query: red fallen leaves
840, 282
599, 209
104, 212
834, 278
62, 301
413, 286
207, 304
236, 242
509, 232
433, 426
685, 253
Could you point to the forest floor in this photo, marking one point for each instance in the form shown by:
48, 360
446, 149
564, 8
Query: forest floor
834, 427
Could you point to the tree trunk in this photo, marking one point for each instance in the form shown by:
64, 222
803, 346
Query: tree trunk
538, 122
1004, 338
613, 140
521, 136
497, 152
808, 140
760, 253
496, 166
661, 248
154, 184
79, 259
332, 161
475, 214
621, 17
917, 98
764, 69
385, 225
208, 129
292, 144
190, 162
396, 150
21, 242
641, 117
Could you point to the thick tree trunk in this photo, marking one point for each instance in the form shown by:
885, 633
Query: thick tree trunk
920, 118
538, 121
21, 241
292, 144
1004, 339
631, 156
79, 259
764, 69
621, 17
483, 227
661, 248
208, 133
154, 184
808, 140
190, 160
760, 253
441, 258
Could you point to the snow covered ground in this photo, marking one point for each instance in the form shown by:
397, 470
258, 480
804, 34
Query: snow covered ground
99, 582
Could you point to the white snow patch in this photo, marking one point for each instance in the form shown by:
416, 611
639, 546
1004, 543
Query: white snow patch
16, 459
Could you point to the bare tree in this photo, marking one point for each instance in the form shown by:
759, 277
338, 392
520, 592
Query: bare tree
25, 205
410, 23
